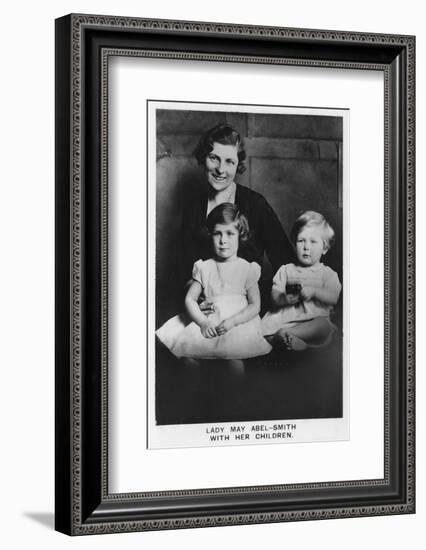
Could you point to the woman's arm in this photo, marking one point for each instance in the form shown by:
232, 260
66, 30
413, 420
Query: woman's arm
207, 327
205, 306
252, 309
185, 253
277, 245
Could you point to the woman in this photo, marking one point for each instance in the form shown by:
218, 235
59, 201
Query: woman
221, 153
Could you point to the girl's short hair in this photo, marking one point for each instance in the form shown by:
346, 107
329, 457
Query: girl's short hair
309, 219
225, 135
226, 213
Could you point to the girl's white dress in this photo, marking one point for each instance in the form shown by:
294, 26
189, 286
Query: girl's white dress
318, 276
225, 284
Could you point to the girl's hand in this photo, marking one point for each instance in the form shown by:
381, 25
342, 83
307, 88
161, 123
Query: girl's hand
208, 329
224, 326
307, 292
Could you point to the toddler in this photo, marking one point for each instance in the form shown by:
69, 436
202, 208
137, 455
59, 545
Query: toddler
303, 294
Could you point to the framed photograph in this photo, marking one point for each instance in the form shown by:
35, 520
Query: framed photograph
234, 274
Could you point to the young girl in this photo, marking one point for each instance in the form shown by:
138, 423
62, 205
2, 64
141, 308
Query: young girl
233, 330
304, 294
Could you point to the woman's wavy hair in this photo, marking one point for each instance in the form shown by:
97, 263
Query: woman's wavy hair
226, 213
225, 135
309, 219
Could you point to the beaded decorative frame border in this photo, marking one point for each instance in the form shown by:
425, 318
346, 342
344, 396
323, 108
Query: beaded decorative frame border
78, 22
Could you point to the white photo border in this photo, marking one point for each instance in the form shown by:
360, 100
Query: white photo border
295, 430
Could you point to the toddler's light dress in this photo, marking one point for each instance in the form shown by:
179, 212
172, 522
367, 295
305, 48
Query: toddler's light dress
225, 284
318, 276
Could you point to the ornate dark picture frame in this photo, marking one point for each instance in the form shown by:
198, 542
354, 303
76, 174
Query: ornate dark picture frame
84, 44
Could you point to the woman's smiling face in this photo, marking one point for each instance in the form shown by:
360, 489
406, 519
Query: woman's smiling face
221, 166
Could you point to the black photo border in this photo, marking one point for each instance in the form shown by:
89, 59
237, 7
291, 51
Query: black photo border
83, 45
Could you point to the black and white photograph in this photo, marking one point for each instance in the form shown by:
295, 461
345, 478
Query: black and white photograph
248, 240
